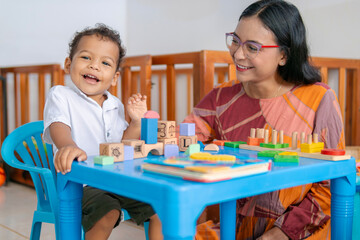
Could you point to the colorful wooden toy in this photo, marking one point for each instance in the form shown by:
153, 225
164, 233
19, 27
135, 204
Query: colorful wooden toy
104, 160
112, 149
187, 129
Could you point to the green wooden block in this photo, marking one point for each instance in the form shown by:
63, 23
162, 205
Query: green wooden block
286, 158
193, 148
268, 153
104, 160
234, 144
270, 145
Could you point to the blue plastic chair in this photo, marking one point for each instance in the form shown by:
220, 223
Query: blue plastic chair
24, 149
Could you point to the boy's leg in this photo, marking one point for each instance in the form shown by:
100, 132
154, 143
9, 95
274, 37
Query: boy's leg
141, 212
155, 230
100, 213
102, 228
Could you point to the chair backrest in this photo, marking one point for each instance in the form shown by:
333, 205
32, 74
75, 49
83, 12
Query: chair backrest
24, 149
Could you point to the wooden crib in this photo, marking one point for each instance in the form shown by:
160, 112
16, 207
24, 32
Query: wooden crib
202, 71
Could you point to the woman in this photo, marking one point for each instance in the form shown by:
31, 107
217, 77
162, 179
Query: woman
276, 88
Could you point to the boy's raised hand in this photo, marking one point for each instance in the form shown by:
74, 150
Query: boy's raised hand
136, 106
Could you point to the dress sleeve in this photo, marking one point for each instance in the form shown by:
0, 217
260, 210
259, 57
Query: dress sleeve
303, 219
55, 110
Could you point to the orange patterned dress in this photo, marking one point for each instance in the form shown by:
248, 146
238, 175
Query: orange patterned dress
227, 113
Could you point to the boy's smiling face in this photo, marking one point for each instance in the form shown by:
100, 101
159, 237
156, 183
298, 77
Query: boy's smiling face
93, 67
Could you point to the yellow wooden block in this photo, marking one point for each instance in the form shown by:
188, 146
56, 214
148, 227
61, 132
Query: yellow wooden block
200, 155
312, 148
288, 153
210, 157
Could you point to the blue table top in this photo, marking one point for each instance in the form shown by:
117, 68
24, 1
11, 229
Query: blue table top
154, 185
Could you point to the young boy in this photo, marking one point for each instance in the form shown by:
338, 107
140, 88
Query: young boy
78, 118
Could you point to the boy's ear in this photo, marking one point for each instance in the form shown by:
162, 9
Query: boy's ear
67, 65
115, 79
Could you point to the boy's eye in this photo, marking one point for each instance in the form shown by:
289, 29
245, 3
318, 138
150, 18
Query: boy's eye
85, 57
106, 63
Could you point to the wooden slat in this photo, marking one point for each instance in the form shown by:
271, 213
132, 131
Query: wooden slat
24, 98
188, 87
341, 94
171, 93
41, 95
16, 101
356, 109
160, 94
324, 74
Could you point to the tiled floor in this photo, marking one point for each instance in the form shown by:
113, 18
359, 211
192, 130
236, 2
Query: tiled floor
17, 204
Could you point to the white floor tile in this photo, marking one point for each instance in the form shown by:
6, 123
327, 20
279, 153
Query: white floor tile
17, 204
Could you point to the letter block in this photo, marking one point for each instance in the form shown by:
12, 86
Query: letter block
166, 129
186, 141
115, 150
168, 140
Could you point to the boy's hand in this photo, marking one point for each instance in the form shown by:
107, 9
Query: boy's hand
66, 155
136, 106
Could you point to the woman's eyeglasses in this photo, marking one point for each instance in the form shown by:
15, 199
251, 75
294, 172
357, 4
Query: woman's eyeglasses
250, 49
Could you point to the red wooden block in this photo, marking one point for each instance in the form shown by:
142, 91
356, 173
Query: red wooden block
333, 152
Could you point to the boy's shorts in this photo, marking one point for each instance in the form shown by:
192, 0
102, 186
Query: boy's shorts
96, 203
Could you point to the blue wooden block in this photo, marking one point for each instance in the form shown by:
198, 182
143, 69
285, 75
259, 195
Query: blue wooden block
187, 129
128, 152
171, 150
149, 130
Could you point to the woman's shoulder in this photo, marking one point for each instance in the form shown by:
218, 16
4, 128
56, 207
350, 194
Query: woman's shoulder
318, 89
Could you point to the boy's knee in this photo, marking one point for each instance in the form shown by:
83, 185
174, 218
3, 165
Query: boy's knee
112, 216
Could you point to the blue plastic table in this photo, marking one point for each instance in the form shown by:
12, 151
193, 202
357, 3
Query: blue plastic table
179, 202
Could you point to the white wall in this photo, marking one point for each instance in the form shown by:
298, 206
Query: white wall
38, 31
160, 26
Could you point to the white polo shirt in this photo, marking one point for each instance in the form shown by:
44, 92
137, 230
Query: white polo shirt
90, 123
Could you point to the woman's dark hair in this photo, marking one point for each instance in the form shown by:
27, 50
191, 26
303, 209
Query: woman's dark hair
102, 31
285, 21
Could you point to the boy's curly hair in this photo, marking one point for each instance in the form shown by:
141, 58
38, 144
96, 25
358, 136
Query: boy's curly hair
102, 31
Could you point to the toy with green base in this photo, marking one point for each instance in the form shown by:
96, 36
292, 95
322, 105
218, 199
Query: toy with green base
310, 149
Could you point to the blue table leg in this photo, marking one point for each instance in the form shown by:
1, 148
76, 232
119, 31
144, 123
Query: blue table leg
228, 220
70, 196
178, 221
342, 207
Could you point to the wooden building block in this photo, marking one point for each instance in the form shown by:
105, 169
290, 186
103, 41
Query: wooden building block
254, 141
193, 148
187, 129
112, 149
166, 129
151, 114
171, 150
234, 144
168, 140
104, 160
312, 148
128, 152
155, 149
220, 142
186, 141
211, 147
138, 146
149, 130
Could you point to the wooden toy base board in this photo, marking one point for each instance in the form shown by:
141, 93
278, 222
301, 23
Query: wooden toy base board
301, 154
